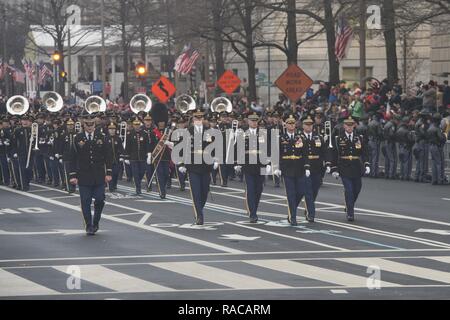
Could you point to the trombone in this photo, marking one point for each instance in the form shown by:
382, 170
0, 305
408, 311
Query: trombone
328, 133
123, 133
34, 136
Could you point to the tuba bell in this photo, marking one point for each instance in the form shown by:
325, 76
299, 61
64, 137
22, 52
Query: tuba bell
17, 105
221, 104
95, 104
53, 101
140, 103
185, 103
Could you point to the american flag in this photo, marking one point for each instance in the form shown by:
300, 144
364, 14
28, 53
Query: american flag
29, 69
44, 73
18, 76
186, 60
344, 37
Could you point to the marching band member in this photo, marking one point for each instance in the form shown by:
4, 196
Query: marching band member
117, 155
39, 156
349, 158
295, 168
91, 169
66, 147
5, 144
20, 147
149, 129
162, 172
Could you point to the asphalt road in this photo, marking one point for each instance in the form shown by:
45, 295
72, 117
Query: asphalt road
398, 247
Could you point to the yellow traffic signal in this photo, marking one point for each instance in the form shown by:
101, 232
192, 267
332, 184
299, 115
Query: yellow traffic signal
141, 70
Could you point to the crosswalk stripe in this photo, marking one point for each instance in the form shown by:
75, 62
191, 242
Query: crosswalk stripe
316, 273
114, 280
12, 285
440, 259
219, 276
403, 268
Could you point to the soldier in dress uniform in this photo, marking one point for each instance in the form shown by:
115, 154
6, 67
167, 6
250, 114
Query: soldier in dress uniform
53, 155
253, 166
138, 153
20, 147
350, 162
5, 145
117, 155
149, 129
316, 156
295, 168
182, 176
39, 155
199, 174
66, 147
91, 169
375, 137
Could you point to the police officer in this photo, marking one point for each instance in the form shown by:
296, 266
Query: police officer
91, 169
117, 155
137, 154
436, 140
421, 148
295, 168
349, 157
390, 129
199, 173
253, 166
405, 140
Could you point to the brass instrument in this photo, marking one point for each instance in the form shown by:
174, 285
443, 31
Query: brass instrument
185, 103
34, 136
221, 104
328, 133
95, 104
140, 103
78, 127
17, 105
123, 133
53, 101
234, 128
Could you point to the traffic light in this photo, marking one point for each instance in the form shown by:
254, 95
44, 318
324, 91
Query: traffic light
63, 75
56, 56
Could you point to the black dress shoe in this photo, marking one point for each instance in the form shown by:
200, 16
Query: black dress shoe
225, 185
254, 220
310, 220
198, 222
95, 228
90, 230
163, 196
350, 218
294, 223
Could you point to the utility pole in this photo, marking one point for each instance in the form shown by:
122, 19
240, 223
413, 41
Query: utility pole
5, 57
268, 77
405, 47
362, 43
103, 50
69, 61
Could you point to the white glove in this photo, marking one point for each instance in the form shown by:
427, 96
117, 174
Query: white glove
51, 158
328, 170
169, 144
307, 173
335, 175
127, 162
121, 160
238, 169
367, 170
15, 156
216, 165
61, 161
57, 156
277, 173
268, 169
8, 159
182, 170
149, 159
6, 143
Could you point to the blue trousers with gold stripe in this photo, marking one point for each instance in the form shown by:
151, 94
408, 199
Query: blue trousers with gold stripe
199, 191
298, 188
352, 188
254, 185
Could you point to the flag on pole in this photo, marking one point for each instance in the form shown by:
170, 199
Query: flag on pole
186, 60
44, 73
344, 37
3, 69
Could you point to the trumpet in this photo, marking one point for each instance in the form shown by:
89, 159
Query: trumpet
78, 127
328, 133
34, 136
123, 133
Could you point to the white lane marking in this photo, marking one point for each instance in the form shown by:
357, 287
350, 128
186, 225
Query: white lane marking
446, 199
402, 268
440, 259
316, 273
124, 214
130, 223
219, 276
329, 222
287, 236
155, 201
237, 237
113, 280
434, 231
12, 285
339, 291
63, 197
144, 219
